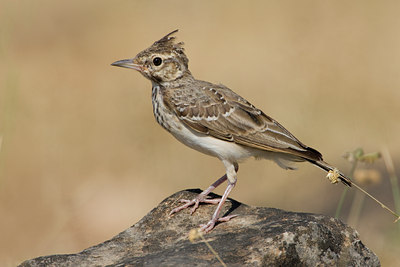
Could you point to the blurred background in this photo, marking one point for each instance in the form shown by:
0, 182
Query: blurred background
82, 158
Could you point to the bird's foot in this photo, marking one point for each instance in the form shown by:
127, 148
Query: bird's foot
195, 203
211, 224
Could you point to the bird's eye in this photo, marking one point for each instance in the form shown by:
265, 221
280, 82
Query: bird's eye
157, 61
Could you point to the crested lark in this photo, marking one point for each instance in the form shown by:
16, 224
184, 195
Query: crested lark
214, 120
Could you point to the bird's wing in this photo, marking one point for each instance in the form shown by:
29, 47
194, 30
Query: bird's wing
219, 112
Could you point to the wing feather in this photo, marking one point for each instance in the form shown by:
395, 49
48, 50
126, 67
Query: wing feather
221, 113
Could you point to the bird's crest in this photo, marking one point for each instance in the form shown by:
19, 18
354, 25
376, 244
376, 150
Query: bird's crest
167, 43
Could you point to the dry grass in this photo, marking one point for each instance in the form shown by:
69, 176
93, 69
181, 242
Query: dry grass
82, 157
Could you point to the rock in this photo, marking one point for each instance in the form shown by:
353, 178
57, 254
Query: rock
258, 237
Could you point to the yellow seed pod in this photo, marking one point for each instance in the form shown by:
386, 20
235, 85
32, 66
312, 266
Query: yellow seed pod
333, 176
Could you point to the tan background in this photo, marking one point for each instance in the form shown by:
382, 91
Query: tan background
82, 157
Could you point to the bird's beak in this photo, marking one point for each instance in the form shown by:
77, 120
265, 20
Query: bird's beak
127, 63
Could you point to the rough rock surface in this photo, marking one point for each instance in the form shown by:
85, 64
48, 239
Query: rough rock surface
257, 237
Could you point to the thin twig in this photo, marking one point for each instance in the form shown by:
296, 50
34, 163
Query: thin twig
213, 251
380, 203
197, 233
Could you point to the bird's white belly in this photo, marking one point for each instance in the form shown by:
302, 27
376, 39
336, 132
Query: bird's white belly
225, 150
209, 145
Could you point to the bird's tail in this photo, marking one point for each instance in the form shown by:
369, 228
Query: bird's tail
325, 166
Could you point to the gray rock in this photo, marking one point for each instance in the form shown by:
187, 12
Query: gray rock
257, 237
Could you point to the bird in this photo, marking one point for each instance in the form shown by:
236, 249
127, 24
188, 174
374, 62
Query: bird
214, 120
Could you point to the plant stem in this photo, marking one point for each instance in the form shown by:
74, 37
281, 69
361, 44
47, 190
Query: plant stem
355, 210
344, 193
392, 177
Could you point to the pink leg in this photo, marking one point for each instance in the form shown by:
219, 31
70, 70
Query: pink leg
210, 225
201, 198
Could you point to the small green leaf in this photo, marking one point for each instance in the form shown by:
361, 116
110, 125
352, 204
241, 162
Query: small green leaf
370, 157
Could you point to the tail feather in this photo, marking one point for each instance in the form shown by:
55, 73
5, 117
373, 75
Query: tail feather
325, 166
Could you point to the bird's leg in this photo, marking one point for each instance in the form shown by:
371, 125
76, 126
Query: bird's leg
210, 225
231, 171
201, 198
231, 174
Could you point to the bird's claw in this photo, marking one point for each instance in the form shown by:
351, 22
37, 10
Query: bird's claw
211, 224
195, 202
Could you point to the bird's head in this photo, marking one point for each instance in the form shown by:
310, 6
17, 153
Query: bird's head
163, 62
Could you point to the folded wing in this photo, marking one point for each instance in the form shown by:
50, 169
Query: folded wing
223, 114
